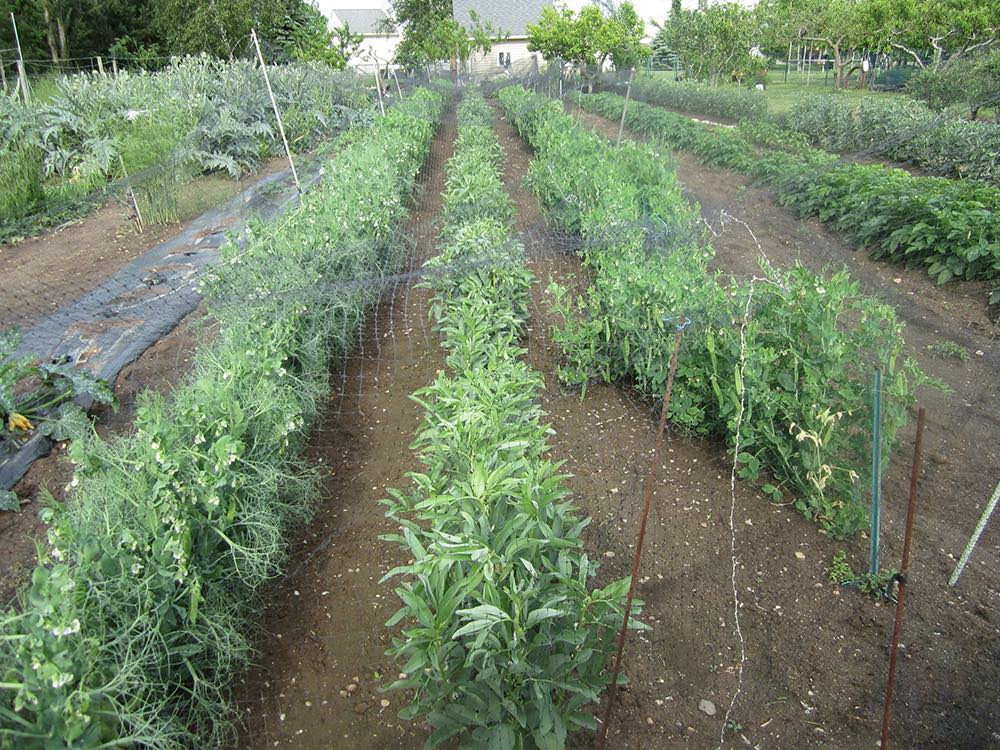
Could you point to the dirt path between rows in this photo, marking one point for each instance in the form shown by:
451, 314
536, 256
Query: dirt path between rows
323, 625
816, 655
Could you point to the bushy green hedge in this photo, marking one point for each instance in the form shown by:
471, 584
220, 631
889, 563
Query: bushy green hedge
503, 643
902, 129
713, 101
949, 227
811, 340
136, 616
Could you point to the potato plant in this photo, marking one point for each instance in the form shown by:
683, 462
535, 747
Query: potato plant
503, 643
811, 339
137, 614
951, 228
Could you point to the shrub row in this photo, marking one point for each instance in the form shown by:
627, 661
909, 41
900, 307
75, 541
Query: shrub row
503, 644
811, 340
902, 129
712, 101
951, 228
135, 618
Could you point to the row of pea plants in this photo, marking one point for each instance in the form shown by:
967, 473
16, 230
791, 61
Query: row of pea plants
503, 643
949, 227
810, 340
137, 614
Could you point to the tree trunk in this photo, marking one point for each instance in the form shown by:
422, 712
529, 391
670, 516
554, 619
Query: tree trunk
63, 51
50, 35
838, 68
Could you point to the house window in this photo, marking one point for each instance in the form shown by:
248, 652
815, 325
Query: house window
503, 59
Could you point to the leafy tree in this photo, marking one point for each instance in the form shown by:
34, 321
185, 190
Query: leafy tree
972, 80
431, 33
306, 36
936, 29
589, 39
712, 41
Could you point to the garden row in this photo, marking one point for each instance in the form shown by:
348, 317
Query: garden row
784, 359
159, 128
136, 616
502, 644
949, 227
895, 127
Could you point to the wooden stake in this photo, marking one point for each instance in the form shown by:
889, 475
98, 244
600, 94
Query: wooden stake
395, 77
114, 66
22, 74
100, 65
277, 114
131, 192
378, 87
3, 74
628, 93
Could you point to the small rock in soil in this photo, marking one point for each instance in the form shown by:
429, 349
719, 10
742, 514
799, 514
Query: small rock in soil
361, 708
706, 707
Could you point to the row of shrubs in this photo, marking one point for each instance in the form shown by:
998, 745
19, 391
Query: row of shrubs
901, 129
503, 644
951, 228
137, 614
798, 391
712, 101
896, 128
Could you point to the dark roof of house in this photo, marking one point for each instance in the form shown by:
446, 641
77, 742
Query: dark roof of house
509, 16
362, 20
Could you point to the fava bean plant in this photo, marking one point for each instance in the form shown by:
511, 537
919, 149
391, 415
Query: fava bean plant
503, 642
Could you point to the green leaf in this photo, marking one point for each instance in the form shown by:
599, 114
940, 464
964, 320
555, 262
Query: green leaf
9, 501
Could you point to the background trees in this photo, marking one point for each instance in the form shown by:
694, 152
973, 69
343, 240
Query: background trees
590, 38
146, 31
714, 41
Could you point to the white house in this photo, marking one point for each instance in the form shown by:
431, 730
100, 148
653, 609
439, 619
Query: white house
510, 18
378, 45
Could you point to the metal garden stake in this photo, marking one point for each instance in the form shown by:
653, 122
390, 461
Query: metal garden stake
602, 738
901, 577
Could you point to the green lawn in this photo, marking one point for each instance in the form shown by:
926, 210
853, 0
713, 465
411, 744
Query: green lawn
781, 95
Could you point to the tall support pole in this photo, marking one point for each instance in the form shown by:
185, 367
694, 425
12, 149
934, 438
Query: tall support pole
21, 72
3, 75
873, 566
974, 540
378, 88
114, 66
395, 77
628, 93
788, 61
277, 114
904, 568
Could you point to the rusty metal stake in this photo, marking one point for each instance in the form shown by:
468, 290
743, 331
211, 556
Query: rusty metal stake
901, 577
602, 738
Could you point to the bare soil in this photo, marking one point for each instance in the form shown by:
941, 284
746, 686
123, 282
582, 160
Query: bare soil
43, 274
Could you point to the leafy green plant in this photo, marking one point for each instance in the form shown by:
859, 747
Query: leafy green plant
949, 349
872, 585
34, 395
503, 644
